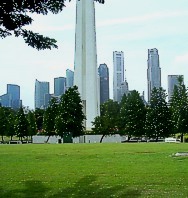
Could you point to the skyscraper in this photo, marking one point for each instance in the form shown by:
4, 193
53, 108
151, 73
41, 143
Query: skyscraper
14, 92
120, 85
69, 78
172, 81
41, 88
59, 86
104, 82
12, 97
5, 100
153, 71
85, 65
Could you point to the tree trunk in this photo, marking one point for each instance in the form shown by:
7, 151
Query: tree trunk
11, 138
181, 138
102, 138
48, 139
2, 138
128, 139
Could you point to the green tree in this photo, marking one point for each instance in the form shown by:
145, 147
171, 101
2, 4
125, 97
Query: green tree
3, 122
158, 117
32, 129
49, 118
107, 123
179, 108
132, 115
11, 117
14, 16
70, 116
39, 117
21, 124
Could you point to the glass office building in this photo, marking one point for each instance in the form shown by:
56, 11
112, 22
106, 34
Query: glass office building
41, 88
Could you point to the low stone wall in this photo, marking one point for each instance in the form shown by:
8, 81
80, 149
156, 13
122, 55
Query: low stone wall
97, 138
40, 139
82, 139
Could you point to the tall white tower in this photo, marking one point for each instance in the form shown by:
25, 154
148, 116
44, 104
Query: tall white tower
85, 63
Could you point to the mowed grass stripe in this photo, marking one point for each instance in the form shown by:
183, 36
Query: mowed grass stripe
93, 170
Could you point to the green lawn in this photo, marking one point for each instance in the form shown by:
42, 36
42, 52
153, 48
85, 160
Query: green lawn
93, 170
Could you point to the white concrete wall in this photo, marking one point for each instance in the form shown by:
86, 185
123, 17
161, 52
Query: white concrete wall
82, 139
97, 138
40, 139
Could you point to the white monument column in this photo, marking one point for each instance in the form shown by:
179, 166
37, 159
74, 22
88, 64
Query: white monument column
85, 63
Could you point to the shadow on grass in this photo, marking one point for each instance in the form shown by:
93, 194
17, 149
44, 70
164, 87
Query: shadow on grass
85, 187
88, 187
30, 189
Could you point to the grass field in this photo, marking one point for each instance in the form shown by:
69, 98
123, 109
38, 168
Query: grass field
93, 170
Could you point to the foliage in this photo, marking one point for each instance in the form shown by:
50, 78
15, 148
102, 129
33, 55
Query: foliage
32, 130
3, 122
7, 120
123, 100
21, 124
49, 117
179, 108
158, 117
133, 114
39, 115
107, 122
14, 16
70, 115
11, 117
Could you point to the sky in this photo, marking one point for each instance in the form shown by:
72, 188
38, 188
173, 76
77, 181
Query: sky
131, 26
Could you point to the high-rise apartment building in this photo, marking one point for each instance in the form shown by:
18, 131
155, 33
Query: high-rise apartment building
172, 81
5, 100
120, 85
124, 88
41, 88
14, 92
69, 78
153, 71
59, 86
104, 82
12, 97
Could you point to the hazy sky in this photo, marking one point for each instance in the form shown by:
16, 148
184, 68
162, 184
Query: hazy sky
131, 26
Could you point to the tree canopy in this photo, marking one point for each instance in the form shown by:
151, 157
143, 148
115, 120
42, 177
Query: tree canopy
49, 118
158, 117
132, 115
14, 16
179, 108
107, 122
21, 124
70, 116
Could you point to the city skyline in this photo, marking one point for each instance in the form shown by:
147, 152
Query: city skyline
123, 27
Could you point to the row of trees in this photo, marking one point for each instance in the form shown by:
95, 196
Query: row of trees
135, 119
17, 123
130, 117
59, 118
